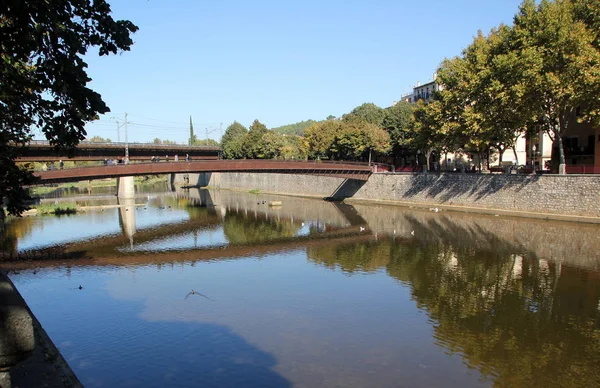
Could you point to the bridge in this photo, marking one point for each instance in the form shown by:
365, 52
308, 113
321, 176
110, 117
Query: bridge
339, 170
42, 151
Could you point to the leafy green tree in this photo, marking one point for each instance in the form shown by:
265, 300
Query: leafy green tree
293, 148
233, 140
43, 79
398, 122
319, 138
367, 112
357, 139
254, 145
273, 143
558, 66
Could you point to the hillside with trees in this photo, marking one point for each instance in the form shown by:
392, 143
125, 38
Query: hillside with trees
294, 129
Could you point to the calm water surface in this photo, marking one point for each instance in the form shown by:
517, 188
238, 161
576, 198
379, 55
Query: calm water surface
311, 294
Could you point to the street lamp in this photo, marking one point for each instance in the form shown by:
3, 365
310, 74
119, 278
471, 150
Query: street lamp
533, 148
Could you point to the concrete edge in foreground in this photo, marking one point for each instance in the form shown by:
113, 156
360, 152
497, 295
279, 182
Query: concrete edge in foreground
45, 366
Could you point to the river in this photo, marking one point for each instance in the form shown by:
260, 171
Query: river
220, 289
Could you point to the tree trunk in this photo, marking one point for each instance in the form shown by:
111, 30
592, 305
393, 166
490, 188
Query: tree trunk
561, 152
516, 157
2, 218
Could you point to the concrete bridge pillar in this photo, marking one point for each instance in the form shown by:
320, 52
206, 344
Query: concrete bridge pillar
125, 187
127, 217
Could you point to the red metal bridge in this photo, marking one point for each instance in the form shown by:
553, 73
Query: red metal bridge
358, 171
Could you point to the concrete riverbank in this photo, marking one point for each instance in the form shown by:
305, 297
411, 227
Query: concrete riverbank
563, 197
28, 357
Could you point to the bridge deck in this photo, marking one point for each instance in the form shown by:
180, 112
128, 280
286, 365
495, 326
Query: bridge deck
342, 170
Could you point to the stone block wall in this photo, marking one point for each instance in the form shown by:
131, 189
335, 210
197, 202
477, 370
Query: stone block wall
555, 194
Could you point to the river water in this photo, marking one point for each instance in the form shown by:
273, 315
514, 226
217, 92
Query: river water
219, 289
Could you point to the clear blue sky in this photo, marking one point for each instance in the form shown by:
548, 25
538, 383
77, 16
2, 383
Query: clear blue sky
276, 61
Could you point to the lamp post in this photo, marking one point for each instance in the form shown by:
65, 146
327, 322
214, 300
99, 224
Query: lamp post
533, 148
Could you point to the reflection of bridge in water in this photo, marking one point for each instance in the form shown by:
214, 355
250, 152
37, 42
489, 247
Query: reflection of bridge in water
214, 207
559, 242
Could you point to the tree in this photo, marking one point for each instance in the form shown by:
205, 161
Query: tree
398, 122
273, 144
254, 145
558, 55
293, 148
206, 142
319, 138
357, 138
192, 139
99, 139
233, 140
367, 112
43, 81
159, 141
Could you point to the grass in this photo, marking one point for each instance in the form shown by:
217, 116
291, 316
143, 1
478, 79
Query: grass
47, 209
254, 191
150, 179
41, 190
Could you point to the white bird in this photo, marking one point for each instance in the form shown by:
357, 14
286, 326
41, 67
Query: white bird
303, 224
412, 233
361, 228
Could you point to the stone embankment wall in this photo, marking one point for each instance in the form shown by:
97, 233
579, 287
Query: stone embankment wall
576, 195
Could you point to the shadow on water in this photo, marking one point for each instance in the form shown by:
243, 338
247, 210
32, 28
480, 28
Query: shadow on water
136, 352
207, 355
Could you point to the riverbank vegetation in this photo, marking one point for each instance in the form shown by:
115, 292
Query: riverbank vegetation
56, 209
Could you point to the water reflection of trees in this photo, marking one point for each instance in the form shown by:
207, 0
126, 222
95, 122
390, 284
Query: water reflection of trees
14, 230
520, 321
240, 228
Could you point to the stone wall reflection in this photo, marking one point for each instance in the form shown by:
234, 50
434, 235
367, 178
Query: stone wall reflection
562, 242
